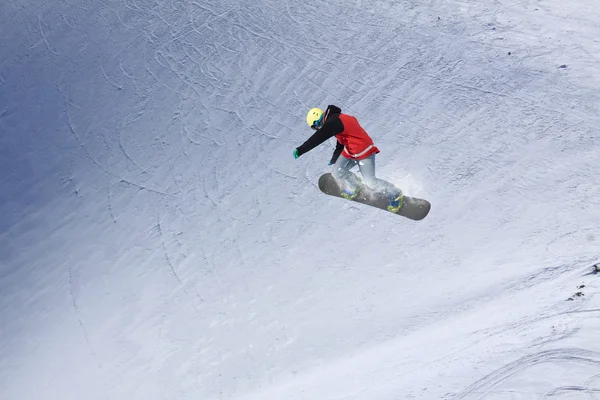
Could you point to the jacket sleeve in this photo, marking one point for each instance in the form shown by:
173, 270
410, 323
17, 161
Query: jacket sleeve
329, 130
336, 153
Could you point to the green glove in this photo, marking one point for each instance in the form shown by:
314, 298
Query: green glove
296, 155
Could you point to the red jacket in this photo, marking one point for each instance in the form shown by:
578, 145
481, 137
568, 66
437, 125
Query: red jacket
358, 145
352, 140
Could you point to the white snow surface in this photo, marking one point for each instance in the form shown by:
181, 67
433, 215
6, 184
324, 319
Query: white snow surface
159, 241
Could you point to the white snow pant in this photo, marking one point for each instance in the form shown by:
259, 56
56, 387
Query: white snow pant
349, 180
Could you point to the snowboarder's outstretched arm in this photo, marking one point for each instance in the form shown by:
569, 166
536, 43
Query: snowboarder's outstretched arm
332, 127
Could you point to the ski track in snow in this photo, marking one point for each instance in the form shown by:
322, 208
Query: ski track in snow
150, 143
483, 387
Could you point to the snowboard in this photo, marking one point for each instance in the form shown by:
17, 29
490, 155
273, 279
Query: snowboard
412, 207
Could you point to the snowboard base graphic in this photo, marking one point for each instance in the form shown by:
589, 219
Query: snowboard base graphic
412, 207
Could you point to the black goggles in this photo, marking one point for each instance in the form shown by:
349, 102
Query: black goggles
318, 123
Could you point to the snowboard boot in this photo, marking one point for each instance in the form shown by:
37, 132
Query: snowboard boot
350, 194
395, 203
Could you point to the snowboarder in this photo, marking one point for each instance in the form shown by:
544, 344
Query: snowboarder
355, 147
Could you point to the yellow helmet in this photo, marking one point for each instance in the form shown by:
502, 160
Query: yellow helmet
314, 117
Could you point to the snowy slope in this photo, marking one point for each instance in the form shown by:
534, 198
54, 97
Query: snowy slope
158, 240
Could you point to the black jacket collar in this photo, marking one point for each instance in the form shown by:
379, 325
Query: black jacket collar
331, 111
